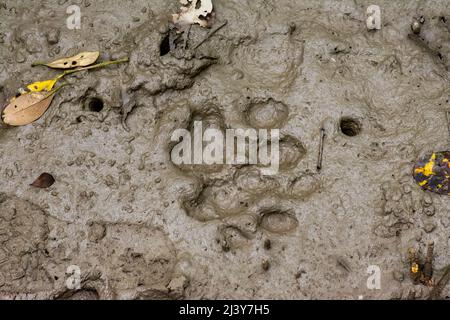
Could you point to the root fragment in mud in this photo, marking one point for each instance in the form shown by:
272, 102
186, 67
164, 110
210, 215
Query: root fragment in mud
421, 271
448, 121
442, 283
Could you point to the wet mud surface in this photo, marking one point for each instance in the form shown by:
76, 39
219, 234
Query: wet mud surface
140, 227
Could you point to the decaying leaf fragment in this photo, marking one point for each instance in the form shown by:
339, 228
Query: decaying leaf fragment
194, 11
432, 172
44, 181
27, 108
82, 59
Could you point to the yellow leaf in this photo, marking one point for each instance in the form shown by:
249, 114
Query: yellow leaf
42, 85
414, 268
82, 59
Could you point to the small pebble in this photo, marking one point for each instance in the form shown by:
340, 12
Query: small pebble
416, 27
429, 211
427, 200
398, 275
407, 189
397, 196
20, 58
429, 227
53, 36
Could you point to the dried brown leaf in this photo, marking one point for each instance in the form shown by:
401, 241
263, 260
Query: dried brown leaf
44, 181
27, 108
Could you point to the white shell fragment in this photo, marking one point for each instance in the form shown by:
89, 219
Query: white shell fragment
191, 15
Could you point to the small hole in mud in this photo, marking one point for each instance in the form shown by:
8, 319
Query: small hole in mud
165, 46
96, 105
350, 127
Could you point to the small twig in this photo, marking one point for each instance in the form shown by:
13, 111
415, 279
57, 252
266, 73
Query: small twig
186, 37
39, 63
437, 290
95, 66
99, 65
428, 266
53, 92
411, 295
210, 34
448, 121
321, 146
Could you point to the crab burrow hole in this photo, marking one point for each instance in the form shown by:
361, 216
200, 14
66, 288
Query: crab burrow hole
350, 127
164, 47
95, 104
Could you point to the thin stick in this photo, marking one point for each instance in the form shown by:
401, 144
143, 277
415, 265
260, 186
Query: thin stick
448, 120
437, 290
56, 90
321, 145
95, 66
39, 63
211, 33
186, 37
428, 267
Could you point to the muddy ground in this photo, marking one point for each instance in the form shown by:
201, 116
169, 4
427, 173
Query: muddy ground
138, 226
